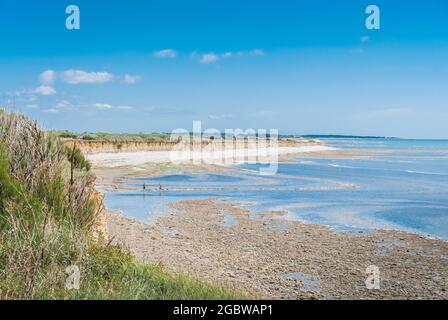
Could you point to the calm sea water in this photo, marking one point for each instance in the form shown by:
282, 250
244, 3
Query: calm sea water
405, 188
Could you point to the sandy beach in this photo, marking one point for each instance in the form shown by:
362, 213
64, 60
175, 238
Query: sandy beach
233, 156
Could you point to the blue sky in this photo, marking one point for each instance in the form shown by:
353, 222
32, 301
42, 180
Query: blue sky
297, 66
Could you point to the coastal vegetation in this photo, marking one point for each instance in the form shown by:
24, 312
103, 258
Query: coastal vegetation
48, 218
106, 136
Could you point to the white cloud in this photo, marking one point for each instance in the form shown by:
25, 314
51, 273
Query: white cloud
103, 106
209, 58
45, 90
165, 53
47, 77
32, 106
80, 77
131, 79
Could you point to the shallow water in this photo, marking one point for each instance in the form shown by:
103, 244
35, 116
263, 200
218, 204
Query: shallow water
228, 219
405, 190
309, 282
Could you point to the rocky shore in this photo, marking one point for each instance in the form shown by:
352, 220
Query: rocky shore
273, 258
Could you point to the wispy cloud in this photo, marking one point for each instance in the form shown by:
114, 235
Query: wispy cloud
107, 106
45, 91
125, 108
47, 77
227, 55
209, 58
212, 57
131, 79
63, 104
165, 53
51, 110
75, 77
102, 106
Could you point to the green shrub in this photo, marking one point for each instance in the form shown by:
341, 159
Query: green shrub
67, 135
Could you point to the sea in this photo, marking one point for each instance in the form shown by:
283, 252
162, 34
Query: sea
400, 185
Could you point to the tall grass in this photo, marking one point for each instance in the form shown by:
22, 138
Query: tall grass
46, 222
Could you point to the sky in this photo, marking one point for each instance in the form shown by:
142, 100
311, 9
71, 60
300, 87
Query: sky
302, 67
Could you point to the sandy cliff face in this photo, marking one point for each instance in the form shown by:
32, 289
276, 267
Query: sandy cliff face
91, 147
99, 231
120, 146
